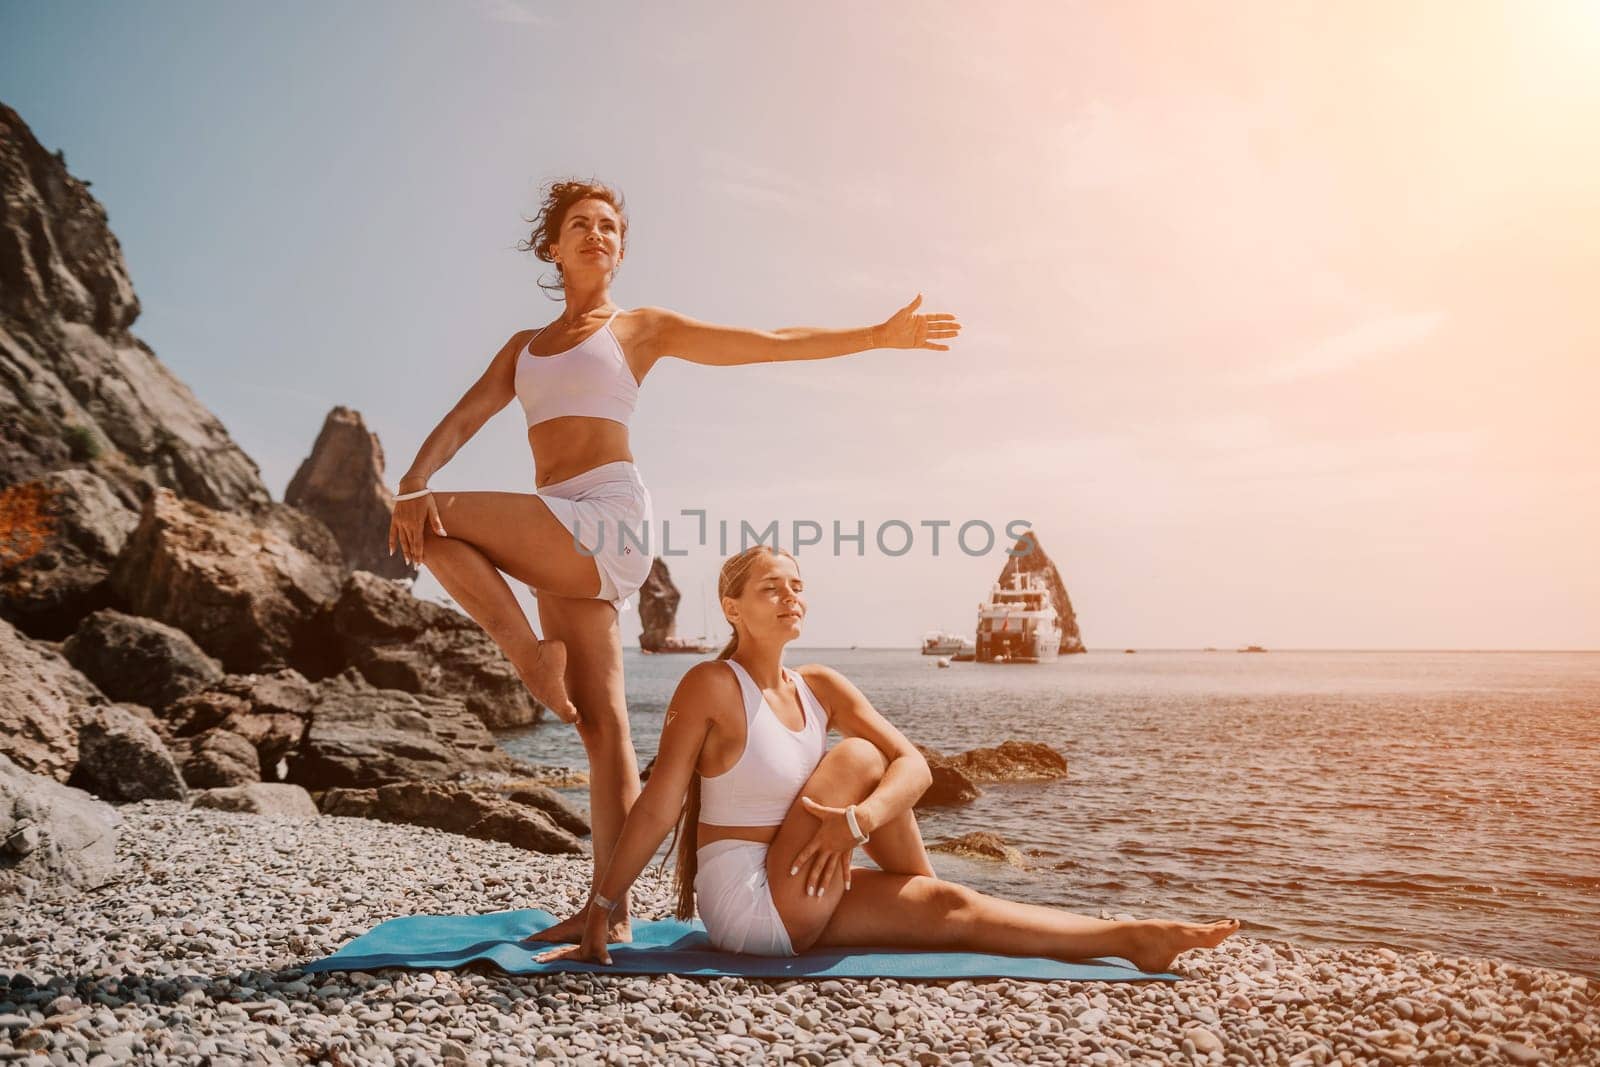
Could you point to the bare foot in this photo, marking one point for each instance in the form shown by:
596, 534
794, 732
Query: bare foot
546, 678
1158, 941
571, 930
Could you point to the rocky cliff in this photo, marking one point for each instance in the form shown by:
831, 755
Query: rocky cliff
246, 655
77, 389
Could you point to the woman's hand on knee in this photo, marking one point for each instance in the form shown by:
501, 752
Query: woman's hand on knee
406, 526
830, 848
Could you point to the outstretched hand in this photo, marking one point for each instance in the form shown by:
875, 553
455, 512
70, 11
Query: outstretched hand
829, 848
906, 329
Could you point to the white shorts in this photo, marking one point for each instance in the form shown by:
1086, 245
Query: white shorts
607, 511
734, 900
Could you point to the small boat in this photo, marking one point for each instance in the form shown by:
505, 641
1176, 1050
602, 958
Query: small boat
943, 661
940, 643
1252, 648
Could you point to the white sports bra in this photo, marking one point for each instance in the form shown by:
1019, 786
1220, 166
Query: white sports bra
760, 788
590, 378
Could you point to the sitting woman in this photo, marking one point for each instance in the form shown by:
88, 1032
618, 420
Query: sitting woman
771, 819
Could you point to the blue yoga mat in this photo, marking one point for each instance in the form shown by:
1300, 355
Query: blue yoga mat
671, 946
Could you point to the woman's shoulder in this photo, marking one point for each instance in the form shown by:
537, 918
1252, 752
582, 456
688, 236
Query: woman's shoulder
830, 687
710, 684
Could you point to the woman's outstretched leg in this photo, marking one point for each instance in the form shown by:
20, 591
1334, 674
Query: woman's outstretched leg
911, 911
886, 909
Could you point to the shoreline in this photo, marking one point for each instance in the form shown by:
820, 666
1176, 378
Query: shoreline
195, 949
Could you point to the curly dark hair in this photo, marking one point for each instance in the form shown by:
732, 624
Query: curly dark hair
558, 197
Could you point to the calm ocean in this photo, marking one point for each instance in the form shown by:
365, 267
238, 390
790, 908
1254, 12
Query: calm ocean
1440, 800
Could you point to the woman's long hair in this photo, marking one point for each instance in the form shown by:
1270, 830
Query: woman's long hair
730, 583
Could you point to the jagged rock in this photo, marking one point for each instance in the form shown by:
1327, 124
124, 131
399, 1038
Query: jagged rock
397, 641
949, 786
43, 698
455, 808
269, 711
54, 839
218, 759
341, 483
1036, 562
121, 758
139, 660
58, 537
364, 737
658, 608
1011, 761
546, 800
76, 387
259, 798
955, 778
982, 844
246, 593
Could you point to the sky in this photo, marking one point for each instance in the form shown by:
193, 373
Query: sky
1279, 319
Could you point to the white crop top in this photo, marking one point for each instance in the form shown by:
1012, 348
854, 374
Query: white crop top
590, 378
760, 788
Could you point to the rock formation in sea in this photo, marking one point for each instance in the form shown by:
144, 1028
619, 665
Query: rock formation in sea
658, 608
168, 631
956, 778
1036, 562
342, 484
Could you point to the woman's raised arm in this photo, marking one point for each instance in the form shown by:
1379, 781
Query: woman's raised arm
707, 343
653, 815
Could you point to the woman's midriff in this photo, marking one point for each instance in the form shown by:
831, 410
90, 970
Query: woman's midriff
706, 833
567, 446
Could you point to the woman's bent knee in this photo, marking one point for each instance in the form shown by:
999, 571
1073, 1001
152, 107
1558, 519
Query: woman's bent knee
863, 756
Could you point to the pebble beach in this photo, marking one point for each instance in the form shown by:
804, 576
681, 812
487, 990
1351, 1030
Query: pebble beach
194, 955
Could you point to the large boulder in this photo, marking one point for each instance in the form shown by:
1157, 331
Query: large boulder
949, 786
362, 737
269, 712
658, 608
58, 537
43, 698
1010, 761
1028, 557
138, 659
456, 808
248, 593
218, 759
260, 798
121, 758
54, 839
76, 387
398, 641
342, 484
981, 844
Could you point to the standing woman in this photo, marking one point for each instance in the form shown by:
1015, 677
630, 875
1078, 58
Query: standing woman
578, 380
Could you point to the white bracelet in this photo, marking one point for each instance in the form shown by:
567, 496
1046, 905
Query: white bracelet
413, 496
855, 827
605, 902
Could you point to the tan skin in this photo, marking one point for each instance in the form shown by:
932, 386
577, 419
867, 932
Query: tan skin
472, 541
821, 899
